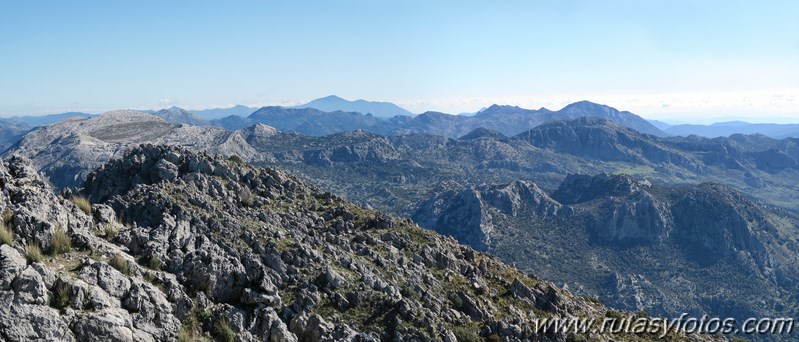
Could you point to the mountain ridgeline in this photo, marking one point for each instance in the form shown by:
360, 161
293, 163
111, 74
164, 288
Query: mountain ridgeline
588, 197
504, 119
334, 103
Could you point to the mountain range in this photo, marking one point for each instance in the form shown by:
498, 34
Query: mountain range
44, 120
505, 119
643, 222
497, 117
724, 129
218, 113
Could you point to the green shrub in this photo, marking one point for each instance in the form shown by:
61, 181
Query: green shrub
466, 335
62, 243
33, 253
235, 159
456, 301
614, 314
110, 232
83, 204
204, 315
6, 235
222, 331
120, 264
190, 330
60, 298
155, 262
88, 304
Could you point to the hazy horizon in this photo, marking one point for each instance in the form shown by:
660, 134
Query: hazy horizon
674, 119
677, 61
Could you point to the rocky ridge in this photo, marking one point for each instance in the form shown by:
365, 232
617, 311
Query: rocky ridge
181, 245
68, 151
633, 243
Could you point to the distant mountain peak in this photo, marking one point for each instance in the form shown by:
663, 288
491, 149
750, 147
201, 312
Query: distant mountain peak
731, 123
179, 115
587, 106
483, 133
332, 97
332, 103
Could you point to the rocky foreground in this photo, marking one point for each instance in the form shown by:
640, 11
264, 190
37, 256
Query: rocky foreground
179, 245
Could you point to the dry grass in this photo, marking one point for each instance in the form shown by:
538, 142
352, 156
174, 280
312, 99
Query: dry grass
120, 264
33, 253
7, 216
60, 297
155, 263
222, 331
62, 243
83, 204
6, 235
110, 232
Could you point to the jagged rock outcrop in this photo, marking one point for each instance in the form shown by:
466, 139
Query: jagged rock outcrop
72, 292
626, 212
467, 213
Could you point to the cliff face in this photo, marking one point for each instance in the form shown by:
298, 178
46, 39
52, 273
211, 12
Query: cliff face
179, 245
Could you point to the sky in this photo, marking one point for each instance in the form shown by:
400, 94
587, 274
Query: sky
675, 60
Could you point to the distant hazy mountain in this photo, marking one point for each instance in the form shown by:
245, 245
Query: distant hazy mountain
180, 115
43, 120
725, 129
218, 113
11, 131
233, 122
334, 103
624, 118
660, 124
512, 120
312, 121
507, 120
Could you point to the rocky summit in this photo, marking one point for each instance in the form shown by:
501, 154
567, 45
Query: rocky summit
164, 244
69, 150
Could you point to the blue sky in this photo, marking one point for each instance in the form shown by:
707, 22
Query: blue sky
673, 60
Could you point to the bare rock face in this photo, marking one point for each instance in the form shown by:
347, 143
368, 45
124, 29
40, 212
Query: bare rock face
467, 214
633, 219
